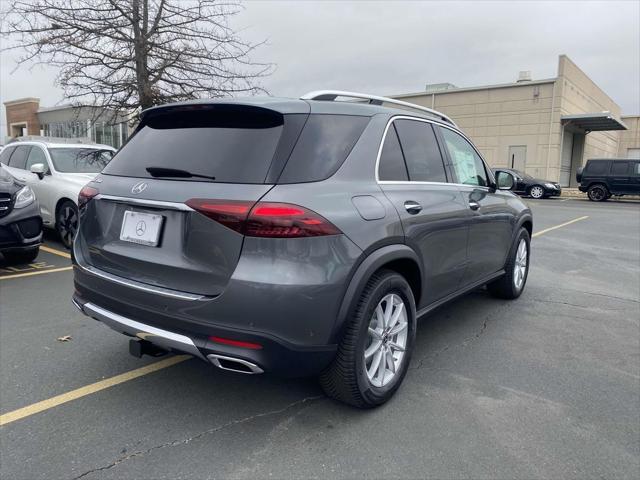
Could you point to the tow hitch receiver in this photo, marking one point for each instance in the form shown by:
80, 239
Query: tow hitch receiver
137, 348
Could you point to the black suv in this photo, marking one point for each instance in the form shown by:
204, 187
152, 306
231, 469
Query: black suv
602, 178
20, 221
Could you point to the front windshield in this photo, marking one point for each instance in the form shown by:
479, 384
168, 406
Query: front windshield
80, 160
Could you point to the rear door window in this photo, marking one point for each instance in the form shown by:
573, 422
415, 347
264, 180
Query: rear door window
392, 166
19, 157
323, 146
234, 144
619, 168
421, 151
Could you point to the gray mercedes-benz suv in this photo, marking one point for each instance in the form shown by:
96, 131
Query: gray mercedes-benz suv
299, 237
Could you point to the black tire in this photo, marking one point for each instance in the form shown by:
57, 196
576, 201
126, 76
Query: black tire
346, 379
67, 221
505, 287
533, 192
598, 193
21, 258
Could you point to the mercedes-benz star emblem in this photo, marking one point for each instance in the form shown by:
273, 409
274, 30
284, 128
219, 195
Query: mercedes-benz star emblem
141, 227
139, 187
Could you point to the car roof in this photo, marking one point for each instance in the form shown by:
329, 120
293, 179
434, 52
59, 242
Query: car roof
608, 159
294, 105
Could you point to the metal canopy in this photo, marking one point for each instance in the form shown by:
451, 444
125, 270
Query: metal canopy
594, 122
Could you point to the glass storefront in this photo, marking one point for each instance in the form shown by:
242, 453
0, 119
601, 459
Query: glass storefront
99, 132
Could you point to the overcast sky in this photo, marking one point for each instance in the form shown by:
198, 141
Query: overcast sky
398, 47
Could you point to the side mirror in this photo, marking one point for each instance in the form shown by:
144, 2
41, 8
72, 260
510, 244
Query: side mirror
505, 181
39, 169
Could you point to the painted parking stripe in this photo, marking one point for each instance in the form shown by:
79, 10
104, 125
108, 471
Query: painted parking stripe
546, 230
38, 407
60, 253
39, 272
139, 372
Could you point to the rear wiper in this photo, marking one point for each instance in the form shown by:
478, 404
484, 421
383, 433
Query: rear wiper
175, 173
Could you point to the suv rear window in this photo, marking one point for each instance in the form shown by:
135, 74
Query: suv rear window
323, 146
597, 166
234, 144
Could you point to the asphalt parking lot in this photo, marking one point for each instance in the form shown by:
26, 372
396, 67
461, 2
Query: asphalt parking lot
547, 386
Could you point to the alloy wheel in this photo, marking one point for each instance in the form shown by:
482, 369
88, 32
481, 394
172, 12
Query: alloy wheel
597, 193
387, 340
67, 224
537, 192
520, 267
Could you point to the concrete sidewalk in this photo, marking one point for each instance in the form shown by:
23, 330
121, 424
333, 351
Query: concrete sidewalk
575, 193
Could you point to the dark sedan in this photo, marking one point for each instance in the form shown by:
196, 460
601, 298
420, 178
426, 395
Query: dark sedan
525, 184
20, 221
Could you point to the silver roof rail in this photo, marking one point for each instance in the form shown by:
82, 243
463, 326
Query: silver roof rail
373, 99
40, 138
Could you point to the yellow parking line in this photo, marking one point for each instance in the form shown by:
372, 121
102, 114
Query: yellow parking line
39, 272
89, 389
546, 230
60, 253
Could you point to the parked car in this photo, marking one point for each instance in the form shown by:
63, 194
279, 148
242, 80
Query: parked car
602, 178
56, 172
20, 221
299, 237
528, 185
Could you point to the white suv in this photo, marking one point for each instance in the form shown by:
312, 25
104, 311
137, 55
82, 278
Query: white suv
56, 171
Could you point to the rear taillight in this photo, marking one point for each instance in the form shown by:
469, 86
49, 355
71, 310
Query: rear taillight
86, 194
236, 343
265, 219
231, 214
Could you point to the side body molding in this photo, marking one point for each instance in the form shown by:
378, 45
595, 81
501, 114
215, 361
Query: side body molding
367, 267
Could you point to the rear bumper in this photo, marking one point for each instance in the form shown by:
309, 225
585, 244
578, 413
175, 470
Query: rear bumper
276, 356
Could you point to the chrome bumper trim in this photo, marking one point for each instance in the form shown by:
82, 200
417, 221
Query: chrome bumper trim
157, 336
165, 292
146, 203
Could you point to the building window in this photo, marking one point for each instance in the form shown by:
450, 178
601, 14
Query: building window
99, 132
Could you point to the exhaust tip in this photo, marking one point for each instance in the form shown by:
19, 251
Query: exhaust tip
234, 364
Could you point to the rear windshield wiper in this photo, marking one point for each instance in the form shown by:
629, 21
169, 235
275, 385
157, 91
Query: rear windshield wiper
175, 173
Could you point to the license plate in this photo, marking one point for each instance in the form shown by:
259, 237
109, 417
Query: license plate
142, 228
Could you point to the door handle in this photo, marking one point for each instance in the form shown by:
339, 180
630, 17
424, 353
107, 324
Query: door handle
473, 205
412, 207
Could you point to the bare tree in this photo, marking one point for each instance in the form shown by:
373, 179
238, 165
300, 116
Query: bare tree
133, 54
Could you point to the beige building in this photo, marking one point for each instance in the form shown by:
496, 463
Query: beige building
547, 128
629, 143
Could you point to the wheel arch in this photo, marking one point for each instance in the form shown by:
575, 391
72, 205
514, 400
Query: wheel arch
59, 203
602, 183
399, 258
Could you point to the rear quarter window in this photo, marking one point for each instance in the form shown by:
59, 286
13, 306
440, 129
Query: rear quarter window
597, 167
323, 146
5, 155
